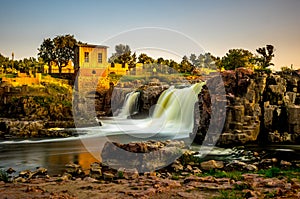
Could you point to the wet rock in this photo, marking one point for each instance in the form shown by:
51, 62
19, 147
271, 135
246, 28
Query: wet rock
177, 166
95, 170
89, 179
241, 166
20, 179
65, 177
285, 163
74, 169
144, 156
212, 164
196, 170
10, 170
128, 173
108, 175
25, 173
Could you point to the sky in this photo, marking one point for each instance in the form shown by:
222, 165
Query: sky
170, 27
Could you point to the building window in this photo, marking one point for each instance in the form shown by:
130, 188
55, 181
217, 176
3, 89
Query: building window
99, 57
86, 56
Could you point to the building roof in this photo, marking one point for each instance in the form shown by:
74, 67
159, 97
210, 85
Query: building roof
91, 45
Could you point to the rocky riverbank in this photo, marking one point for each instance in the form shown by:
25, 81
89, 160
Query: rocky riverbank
12, 129
186, 177
259, 107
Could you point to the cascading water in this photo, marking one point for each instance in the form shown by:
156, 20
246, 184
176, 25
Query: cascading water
175, 108
172, 117
130, 106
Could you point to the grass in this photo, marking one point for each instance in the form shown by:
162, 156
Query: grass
276, 172
270, 173
234, 175
175, 177
120, 174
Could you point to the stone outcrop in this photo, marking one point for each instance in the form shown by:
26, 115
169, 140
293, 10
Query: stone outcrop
10, 128
143, 156
260, 107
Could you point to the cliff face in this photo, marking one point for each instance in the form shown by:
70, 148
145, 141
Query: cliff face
260, 107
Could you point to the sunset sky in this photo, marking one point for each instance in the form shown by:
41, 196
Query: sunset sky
176, 26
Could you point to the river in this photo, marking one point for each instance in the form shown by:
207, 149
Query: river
172, 119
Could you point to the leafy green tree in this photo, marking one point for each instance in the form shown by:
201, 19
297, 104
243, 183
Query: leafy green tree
122, 54
236, 58
185, 65
60, 50
132, 62
208, 61
173, 64
194, 60
145, 59
47, 52
160, 60
267, 54
201, 60
4, 63
64, 50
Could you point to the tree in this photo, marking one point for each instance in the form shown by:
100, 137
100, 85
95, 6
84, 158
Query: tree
185, 65
132, 62
64, 50
145, 59
208, 61
4, 62
174, 65
194, 60
267, 53
122, 54
60, 50
236, 58
47, 52
217, 62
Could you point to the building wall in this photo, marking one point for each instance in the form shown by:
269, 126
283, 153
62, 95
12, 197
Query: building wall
91, 72
93, 57
118, 69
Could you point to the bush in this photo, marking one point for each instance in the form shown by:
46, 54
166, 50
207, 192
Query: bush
3, 176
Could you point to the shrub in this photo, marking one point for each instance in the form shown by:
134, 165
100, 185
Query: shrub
3, 176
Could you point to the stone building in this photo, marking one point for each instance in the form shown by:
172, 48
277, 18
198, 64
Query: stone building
90, 63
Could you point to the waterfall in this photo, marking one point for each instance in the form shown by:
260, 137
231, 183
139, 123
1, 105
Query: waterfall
130, 105
175, 107
172, 116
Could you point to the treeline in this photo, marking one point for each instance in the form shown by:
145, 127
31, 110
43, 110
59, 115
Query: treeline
60, 50
234, 58
25, 65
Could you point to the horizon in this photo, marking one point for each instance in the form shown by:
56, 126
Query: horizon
214, 26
